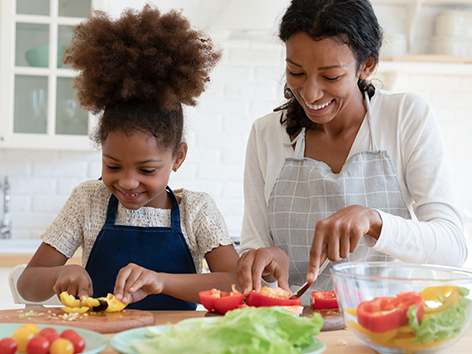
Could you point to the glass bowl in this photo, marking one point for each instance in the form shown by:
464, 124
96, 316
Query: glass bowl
404, 308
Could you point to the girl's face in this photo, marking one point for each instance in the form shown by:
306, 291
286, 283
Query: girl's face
323, 77
137, 171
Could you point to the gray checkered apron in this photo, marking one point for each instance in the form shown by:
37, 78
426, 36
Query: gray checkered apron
307, 191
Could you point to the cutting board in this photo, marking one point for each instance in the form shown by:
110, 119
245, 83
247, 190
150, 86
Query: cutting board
95, 321
332, 319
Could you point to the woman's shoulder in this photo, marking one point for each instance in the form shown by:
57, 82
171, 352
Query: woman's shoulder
268, 123
407, 99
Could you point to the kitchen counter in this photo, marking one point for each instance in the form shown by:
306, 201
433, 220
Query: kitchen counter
342, 341
14, 252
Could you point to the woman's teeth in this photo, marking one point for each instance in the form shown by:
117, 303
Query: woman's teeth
317, 107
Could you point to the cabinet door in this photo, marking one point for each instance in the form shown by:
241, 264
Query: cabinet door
37, 102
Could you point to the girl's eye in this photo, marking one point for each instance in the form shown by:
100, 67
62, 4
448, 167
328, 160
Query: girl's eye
113, 167
148, 171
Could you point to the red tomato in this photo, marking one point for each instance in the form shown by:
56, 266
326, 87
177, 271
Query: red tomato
47, 331
258, 300
68, 334
220, 301
62, 346
51, 337
324, 300
79, 344
38, 345
383, 314
8, 346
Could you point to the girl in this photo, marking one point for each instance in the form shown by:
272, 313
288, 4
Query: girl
138, 236
343, 170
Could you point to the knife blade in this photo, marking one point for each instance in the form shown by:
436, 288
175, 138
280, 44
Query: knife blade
300, 291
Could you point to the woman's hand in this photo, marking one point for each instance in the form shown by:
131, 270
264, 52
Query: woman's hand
339, 234
134, 283
263, 262
75, 280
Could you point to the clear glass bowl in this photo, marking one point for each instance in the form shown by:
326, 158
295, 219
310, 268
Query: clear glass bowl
444, 295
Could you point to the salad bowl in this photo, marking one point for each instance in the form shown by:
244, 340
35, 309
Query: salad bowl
397, 307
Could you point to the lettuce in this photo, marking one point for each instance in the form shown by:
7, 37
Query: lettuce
271, 330
442, 325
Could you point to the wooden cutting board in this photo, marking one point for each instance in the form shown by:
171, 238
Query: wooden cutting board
332, 319
95, 321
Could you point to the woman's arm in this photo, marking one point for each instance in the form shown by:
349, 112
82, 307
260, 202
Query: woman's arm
46, 274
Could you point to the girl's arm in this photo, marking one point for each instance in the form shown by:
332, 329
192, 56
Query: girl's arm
135, 283
46, 274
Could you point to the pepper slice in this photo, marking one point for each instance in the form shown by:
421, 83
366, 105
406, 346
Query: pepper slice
271, 297
324, 300
219, 301
384, 314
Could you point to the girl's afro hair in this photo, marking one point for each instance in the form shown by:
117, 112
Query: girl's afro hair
145, 56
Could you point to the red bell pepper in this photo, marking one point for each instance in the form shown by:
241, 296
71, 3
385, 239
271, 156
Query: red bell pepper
324, 300
271, 297
383, 314
220, 301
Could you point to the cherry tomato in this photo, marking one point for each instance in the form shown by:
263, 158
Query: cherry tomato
22, 336
61, 346
38, 345
51, 337
79, 344
8, 346
69, 333
32, 327
47, 331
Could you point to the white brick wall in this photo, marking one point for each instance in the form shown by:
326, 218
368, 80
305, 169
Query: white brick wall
245, 85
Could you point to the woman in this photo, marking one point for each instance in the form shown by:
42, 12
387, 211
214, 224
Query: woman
343, 171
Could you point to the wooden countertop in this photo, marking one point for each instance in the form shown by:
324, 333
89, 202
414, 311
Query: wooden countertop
332, 339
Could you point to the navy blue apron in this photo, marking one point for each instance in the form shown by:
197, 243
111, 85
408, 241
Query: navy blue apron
161, 249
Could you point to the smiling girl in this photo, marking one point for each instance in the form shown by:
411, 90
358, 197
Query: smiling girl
141, 241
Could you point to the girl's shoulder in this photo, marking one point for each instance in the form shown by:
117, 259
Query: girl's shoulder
193, 198
95, 188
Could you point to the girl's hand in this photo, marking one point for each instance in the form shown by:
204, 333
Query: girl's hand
75, 280
339, 234
263, 262
134, 283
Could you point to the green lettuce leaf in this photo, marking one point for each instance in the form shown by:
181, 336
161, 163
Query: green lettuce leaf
271, 330
443, 325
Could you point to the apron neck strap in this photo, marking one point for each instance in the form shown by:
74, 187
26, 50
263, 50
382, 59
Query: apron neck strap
369, 120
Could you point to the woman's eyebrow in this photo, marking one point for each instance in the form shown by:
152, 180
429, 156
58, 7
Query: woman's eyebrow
320, 68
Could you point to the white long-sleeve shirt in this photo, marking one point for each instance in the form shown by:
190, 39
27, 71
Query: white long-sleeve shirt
405, 125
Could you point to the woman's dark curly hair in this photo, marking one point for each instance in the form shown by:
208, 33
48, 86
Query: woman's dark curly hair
138, 70
351, 21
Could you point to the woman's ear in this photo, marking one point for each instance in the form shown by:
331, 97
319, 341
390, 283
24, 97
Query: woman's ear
368, 68
180, 157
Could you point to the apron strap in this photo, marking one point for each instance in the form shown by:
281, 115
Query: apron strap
300, 144
369, 120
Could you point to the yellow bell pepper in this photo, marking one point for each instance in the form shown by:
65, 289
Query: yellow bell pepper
106, 304
439, 298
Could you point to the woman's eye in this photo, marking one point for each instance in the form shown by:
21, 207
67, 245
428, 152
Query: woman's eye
332, 78
295, 74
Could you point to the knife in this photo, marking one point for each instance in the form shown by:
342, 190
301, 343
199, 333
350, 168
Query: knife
300, 291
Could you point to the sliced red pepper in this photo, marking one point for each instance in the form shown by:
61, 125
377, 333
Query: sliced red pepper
324, 300
384, 314
220, 301
270, 298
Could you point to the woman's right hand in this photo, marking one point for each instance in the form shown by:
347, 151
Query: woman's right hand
75, 280
267, 262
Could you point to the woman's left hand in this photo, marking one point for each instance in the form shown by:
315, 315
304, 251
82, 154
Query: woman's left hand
134, 283
339, 234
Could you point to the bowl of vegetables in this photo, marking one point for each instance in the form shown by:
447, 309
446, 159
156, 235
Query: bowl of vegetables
397, 307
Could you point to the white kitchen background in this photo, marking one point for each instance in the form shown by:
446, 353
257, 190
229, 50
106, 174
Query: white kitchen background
245, 85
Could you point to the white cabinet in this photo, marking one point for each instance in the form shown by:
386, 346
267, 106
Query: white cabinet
38, 109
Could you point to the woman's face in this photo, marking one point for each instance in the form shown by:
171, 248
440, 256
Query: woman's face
136, 170
323, 77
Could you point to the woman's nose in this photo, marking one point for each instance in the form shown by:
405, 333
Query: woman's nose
311, 91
